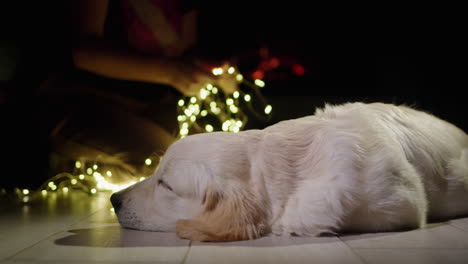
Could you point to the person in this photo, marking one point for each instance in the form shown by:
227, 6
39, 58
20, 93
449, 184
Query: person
132, 60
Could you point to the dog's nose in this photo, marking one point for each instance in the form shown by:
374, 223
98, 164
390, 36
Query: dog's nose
116, 202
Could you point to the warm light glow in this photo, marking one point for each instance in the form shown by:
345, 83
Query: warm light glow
95, 167
247, 97
217, 71
236, 94
148, 162
65, 189
259, 83
181, 102
93, 191
74, 181
214, 90
81, 176
229, 101
51, 184
268, 109
78, 164
43, 192
231, 70
25, 191
89, 171
239, 77
109, 173
209, 128
142, 178
193, 100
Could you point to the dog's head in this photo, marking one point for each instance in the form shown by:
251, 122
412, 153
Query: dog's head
203, 190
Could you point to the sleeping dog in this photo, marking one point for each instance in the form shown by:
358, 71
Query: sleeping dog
349, 168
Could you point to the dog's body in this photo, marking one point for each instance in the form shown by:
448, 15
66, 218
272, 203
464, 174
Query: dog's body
354, 167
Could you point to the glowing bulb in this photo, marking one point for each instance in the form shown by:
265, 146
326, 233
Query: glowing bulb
181, 118
65, 189
81, 176
74, 181
259, 83
209, 87
43, 192
193, 100
142, 178
247, 97
213, 104
181, 102
188, 112
184, 131
268, 109
78, 164
148, 162
109, 173
204, 93
95, 167
239, 77
204, 113
89, 171
193, 118
239, 123
236, 94
51, 184
217, 71
214, 90
235, 129
93, 191
229, 101
231, 70
25, 191
209, 128
233, 109
185, 125
54, 188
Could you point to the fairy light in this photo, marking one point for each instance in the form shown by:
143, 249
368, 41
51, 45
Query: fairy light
268, 109
259, 83
212, 109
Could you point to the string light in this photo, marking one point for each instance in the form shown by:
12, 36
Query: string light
214, 110
210, 110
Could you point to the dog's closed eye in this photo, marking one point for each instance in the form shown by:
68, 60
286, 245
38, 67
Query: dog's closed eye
164, 184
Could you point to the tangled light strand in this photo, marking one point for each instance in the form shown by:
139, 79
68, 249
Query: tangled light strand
213, 110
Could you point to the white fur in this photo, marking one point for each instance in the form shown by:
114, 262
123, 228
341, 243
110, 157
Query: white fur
352, 167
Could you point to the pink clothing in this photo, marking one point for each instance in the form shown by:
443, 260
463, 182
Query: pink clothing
153, 26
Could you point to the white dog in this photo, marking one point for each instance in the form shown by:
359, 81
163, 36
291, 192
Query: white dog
355, 167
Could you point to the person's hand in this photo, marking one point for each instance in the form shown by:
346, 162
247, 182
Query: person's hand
226, 81
188, 78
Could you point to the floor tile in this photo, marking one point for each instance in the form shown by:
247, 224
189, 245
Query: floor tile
23, 225
414, 256
461, 223
109, 243
273, 250
438, 236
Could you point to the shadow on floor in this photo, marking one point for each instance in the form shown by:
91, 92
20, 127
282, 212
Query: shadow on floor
115, 236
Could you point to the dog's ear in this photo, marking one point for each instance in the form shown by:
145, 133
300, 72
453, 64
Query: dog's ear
225, 217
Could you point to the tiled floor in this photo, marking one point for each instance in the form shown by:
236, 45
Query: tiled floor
78, 228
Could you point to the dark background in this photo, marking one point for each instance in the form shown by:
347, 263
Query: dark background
393, 53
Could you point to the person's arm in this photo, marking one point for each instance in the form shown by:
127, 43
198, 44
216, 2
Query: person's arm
92, 53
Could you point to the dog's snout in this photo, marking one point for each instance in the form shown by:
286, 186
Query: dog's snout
116, 201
